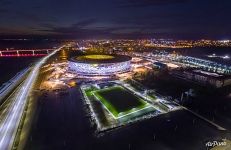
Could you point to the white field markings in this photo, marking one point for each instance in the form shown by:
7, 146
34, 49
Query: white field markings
129, 87
140, 95
104, 106
135, 111
149, 106
126, 87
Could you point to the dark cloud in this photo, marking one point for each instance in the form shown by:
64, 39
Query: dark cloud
79, 29
5, 2
85, 22
82, 29
76, 28
117, 18
3, 6
3, 11
145, 3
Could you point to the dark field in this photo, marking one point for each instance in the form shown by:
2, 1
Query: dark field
118, 99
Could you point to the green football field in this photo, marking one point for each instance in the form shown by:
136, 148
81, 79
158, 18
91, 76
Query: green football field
120, 101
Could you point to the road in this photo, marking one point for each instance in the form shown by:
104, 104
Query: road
9, 125
9, 86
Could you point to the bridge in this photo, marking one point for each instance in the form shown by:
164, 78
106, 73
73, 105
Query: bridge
25, 53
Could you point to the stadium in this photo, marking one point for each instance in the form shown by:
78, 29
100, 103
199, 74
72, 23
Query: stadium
99, 65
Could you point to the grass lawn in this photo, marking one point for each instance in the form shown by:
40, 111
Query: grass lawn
119, 101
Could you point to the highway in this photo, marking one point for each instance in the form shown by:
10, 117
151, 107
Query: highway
9, 124
7, 87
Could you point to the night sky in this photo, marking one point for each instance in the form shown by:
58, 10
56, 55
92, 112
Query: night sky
177, 19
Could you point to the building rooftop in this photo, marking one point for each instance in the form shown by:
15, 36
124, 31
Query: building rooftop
209, 74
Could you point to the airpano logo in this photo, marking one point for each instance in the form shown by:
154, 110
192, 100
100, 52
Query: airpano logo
215, 143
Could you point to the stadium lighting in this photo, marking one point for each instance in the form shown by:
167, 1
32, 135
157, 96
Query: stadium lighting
98, 66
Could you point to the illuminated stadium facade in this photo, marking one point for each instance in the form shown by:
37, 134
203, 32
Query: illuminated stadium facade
99, 65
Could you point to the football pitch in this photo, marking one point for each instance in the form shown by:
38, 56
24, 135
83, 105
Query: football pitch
117, 103
120, 102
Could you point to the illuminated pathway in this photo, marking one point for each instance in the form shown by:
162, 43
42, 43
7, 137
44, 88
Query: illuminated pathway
9, 125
